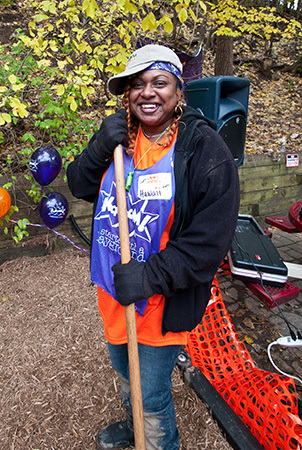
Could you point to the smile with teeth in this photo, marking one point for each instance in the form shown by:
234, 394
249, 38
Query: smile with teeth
149, 106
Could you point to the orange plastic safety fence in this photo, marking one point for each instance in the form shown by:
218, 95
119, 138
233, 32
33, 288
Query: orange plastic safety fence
266, 402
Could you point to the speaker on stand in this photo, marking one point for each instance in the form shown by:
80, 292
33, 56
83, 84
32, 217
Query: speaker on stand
223, 99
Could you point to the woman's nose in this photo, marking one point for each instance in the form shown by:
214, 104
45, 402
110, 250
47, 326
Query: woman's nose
148, 90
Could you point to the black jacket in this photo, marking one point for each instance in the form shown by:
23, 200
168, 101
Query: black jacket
206, 211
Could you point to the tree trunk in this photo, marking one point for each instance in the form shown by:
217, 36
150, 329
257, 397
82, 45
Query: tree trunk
224, 55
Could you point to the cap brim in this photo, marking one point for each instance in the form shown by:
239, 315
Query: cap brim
117, 83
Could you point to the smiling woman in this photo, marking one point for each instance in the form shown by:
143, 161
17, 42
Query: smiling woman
179, 177
153, 96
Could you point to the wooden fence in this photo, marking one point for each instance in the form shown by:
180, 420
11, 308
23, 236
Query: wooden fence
268, 188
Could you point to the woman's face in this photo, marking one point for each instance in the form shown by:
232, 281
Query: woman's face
153, 97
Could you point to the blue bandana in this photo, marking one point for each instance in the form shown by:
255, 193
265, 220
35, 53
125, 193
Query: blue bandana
169, 68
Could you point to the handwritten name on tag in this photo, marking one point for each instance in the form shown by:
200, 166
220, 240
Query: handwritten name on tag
155, 187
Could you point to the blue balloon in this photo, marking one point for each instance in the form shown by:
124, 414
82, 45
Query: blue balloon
45, 164
53, 209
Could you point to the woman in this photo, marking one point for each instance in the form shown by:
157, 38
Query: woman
182, 199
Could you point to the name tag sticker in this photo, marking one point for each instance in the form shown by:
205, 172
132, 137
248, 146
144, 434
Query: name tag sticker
157, 186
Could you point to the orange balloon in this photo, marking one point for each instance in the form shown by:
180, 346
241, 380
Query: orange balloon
5, 201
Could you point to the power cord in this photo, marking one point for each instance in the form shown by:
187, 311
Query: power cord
293, 335
286, 342
294, 340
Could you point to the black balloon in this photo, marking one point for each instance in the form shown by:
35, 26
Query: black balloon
53, 209
45, 164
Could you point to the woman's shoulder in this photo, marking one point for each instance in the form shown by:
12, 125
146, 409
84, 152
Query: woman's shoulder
194, 130
194, 116
200, 140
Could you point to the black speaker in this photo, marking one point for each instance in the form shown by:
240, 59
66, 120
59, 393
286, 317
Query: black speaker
224, 100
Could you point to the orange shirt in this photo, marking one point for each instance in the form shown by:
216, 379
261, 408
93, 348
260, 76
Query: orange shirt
113, 314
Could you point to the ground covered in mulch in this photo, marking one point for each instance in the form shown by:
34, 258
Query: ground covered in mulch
57, 386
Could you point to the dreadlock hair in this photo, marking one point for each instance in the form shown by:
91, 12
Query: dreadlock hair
133, 122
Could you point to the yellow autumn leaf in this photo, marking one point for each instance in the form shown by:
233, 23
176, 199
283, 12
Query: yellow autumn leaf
61, 64
248, 339
149, 23
84, 91
109, 112
168, 26
49, 6
130, 7
52, 8
73, 104
82, 47
100, 65
182, 15
12, 79
203, 6
19, 109
192, 14
43, 63
6, 117
89, 7
40, 17
25, 39
53, 46
18, 87
111, 102
60, 89
248, 323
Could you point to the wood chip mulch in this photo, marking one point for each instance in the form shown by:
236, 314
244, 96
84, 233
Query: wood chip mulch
57, 385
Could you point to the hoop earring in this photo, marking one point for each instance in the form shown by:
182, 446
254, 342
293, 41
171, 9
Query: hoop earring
178, 111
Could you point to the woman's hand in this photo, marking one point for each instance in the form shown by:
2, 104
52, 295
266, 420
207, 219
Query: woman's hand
131, 282
112, 132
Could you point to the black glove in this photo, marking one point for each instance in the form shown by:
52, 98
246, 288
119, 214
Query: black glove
112, 132
131, 282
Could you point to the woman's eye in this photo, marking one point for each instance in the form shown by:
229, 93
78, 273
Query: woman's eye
137, 85
159, 84
141, 85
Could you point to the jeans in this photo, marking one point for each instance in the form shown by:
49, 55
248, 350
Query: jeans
156, 367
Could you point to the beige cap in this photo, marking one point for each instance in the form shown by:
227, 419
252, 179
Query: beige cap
140, 60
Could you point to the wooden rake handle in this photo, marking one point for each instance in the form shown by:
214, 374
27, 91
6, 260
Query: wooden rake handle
135, 380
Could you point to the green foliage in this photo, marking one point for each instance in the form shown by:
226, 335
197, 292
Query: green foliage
7, 3
231, 18
53, 77
20, 230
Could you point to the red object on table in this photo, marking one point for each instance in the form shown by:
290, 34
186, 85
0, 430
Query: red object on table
283, 223
294, 215
279, 295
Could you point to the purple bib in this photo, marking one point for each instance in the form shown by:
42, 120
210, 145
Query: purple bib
149, 203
